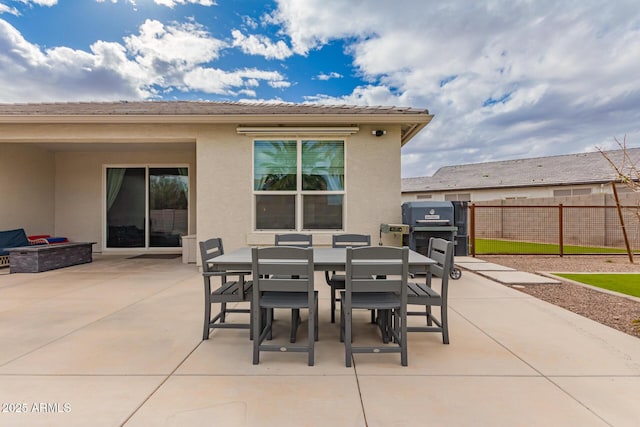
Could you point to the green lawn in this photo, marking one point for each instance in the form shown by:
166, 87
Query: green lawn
624, 283
495, 246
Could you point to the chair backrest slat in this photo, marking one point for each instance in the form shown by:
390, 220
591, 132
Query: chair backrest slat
210, 249
283, 269
441, 251
353, 240
294, 239
377, 269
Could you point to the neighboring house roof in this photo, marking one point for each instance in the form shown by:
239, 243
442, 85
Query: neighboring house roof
412, 120
582, 168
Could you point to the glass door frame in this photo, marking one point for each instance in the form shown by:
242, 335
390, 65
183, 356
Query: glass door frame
146, 248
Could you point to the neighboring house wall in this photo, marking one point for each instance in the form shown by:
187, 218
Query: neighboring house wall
481, 195
26, 188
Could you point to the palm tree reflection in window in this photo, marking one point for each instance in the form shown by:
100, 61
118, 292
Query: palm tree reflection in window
275, 166
322, 165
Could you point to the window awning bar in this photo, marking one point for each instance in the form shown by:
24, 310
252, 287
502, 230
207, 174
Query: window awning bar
282, 130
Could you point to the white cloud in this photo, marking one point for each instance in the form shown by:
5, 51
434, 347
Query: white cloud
168, 3
61, 73
503, 78
14, 11
331, 75
167, 52
313, 23
279, 84
220, 82
157, 59
261, 45
6, 9
48, 3
172, 3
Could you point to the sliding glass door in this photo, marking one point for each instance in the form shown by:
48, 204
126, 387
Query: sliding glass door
168, 202
146, 207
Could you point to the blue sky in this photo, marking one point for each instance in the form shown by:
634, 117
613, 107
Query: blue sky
505, 79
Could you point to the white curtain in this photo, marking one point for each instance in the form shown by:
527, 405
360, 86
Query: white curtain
115, 176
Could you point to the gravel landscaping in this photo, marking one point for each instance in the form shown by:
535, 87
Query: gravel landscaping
611, 310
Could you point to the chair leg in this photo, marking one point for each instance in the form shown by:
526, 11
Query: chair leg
251, 321
295, 322
313, 330
348, 352
445, 324
207, 313
428, 314
223, 312
269, 323
341, 323
402, 319
257, 322
333, 304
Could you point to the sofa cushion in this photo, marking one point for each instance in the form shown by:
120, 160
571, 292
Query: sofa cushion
12, 239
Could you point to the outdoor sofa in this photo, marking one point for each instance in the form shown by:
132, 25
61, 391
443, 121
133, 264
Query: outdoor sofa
33, 254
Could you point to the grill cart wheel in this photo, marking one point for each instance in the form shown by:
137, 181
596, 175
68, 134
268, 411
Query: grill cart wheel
455, 273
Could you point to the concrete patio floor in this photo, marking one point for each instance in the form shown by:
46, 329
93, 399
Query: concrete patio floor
118, 342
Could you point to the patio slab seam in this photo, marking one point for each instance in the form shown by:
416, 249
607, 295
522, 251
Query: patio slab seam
164, 381
578, 400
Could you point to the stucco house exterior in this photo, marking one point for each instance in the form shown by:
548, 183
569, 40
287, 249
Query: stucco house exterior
136, 176
559, 177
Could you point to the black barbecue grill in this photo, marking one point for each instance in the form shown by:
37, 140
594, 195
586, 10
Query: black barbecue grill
436, 219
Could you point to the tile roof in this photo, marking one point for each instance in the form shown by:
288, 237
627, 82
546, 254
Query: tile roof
579, 168
148, 108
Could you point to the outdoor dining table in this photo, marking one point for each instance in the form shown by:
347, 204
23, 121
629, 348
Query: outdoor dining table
324, 259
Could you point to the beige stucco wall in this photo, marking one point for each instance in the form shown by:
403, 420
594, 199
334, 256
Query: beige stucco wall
221, 203
80, 188
225, 201
26, 189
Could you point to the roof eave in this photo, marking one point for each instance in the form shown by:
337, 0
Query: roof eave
418, 119
414, 122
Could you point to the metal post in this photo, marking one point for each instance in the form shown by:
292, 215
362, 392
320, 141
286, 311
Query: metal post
624, 230
560, 230
472, 229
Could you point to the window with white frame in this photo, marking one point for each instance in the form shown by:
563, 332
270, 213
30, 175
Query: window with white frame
298, 184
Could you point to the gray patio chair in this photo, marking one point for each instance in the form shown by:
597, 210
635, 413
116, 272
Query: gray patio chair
283, 278
229, 291
299, 241
376, 279
334, 279
441, 251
